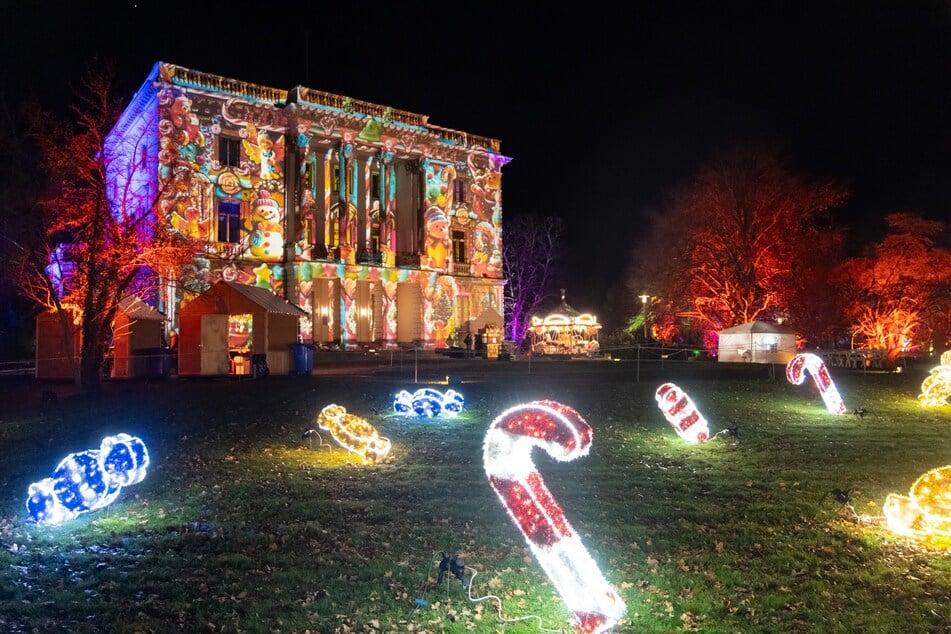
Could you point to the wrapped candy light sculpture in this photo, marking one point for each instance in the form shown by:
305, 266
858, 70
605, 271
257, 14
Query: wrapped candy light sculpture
926, 511
796, 374
88, 480
936, 388
353, 433
681, 413
428, 402
558, 429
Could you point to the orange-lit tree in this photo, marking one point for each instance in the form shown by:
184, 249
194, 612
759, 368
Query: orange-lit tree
530, 261
92, 238
899, 294
734, 245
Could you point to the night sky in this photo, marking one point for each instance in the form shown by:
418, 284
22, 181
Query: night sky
603, 113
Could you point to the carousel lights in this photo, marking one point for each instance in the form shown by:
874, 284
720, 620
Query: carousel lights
353, 433
936, 388
428, 402
681, 413
796, 374
558, 429
88, 480
926, 511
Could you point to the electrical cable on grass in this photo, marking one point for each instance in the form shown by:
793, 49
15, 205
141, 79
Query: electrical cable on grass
446, 564
498, 607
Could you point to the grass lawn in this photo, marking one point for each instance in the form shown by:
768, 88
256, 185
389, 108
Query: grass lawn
243, 523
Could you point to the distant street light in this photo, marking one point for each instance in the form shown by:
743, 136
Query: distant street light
644, 298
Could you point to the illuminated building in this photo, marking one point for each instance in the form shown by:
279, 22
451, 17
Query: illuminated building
381, 226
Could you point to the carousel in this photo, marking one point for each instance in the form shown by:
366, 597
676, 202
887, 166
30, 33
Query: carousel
564, 331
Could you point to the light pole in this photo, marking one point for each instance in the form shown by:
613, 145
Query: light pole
644, 298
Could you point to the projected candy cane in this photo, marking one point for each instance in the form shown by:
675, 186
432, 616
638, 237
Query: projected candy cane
681, 413
796, 373
558, 429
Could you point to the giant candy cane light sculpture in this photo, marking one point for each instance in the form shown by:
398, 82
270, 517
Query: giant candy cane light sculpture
558, 429
796, 374
681, 413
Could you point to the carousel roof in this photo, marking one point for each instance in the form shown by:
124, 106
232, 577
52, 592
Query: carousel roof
566, 315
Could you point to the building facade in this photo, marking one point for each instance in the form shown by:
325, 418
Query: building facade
383, 228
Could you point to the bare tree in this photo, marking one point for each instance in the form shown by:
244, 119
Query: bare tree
93, 238
530, 258
731, 245
901, 291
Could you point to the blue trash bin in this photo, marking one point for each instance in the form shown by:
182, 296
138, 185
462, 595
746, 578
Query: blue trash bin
303, 358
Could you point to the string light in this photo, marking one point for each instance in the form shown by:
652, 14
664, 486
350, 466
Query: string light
88, 480
936, 388
353, 433
681, 413
428, 402
796, 374
558, 429
926, 511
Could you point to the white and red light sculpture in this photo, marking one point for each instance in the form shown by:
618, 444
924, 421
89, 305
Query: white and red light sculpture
926, 511
936, 388
353, 433
507, 455
796, 374
88, 480
681, 413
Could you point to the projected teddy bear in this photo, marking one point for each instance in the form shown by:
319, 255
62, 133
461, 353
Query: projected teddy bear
437, 245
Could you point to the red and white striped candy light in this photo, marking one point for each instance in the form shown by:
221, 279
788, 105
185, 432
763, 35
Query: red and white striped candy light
796, 374
558, 429
681, 413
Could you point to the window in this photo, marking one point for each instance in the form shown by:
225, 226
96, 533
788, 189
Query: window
309, 179
460, 187
229, 151
459, 247
375, 183
229, 220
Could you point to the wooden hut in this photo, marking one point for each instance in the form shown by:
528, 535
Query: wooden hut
137, 346
222, 329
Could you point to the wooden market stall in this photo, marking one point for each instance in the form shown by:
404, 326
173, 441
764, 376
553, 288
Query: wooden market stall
222, 330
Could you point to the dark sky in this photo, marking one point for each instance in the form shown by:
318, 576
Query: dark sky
603, 107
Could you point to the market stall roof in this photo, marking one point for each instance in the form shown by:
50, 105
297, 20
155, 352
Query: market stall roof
136, 309
266, 299
756, 327
262, 297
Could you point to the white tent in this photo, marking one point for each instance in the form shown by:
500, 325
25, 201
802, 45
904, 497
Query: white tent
757, 342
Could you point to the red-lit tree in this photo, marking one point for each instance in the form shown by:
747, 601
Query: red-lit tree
93, 238
899, 294
735, 244
530, 259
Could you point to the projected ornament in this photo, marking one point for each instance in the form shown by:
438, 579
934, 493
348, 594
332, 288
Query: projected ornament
558, 429
353, 433
681, 413
88, 480
796, 374
926, 511
936, 388
428, 402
